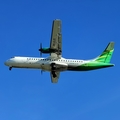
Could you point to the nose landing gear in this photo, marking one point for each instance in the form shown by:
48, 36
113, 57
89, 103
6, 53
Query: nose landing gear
10, 68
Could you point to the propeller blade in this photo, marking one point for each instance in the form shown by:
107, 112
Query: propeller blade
40, 54
41, 72
40, 49
40, 45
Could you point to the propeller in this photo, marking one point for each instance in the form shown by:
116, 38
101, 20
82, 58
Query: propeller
41, 72
40, 49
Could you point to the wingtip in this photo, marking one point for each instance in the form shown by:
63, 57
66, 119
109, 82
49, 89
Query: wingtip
57, 20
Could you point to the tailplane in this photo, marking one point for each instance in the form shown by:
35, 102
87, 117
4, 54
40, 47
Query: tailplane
106, 54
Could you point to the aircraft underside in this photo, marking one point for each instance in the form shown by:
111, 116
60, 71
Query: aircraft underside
61, 67
55, 63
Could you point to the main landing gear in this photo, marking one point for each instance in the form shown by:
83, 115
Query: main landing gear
54, 74
53, 69
10, 68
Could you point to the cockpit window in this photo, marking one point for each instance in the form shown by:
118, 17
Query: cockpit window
12, 57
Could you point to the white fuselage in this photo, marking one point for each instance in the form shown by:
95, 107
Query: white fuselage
42, 63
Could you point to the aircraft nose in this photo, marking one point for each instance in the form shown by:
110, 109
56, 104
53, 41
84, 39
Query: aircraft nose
7, 62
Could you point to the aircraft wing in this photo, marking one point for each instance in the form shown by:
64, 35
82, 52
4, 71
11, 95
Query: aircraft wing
56, 39
55, 80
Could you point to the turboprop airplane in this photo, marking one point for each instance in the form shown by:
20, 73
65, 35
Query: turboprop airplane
55, 63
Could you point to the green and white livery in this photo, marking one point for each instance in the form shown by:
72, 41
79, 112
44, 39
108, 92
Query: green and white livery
55, 63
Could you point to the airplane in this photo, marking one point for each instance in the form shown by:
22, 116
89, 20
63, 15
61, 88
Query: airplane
55, 63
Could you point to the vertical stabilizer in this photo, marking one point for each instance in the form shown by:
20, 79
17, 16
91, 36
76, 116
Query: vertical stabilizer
106, 54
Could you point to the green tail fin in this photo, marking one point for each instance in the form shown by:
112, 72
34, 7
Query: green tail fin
106, 54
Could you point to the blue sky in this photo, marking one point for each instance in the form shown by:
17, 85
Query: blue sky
87, 27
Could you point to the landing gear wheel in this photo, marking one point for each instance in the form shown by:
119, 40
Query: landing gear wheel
53, 66
53, 74
10, 68
53, 69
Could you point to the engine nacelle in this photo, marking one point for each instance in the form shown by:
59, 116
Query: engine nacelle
47, 50
44, 50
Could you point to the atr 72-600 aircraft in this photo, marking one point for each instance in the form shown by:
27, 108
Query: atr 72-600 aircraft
55, 63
